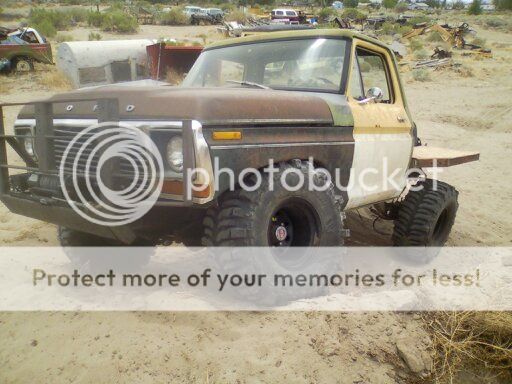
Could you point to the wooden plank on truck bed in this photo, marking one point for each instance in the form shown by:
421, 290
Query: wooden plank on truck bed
424, 156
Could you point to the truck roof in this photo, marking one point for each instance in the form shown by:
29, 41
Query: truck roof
283, 35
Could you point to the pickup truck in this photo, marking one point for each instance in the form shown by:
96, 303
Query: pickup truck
20, 48
289, 130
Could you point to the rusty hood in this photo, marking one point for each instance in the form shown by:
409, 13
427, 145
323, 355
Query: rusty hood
210, 106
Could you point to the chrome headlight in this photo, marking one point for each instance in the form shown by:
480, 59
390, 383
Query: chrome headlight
27, 141
175, 154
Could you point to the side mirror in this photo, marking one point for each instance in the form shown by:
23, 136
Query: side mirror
374, 94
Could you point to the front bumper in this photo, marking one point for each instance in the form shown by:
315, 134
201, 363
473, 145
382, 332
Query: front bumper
41, 203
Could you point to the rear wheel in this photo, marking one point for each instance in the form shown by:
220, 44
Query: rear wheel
22, 65
426, 217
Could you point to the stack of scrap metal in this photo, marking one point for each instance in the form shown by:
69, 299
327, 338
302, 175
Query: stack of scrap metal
234, 29
434, 63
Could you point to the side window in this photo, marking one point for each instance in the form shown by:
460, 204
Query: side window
290, 13
280, 13
30, 38
373, 73
356, 84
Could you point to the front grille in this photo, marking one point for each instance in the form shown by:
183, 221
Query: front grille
64, 136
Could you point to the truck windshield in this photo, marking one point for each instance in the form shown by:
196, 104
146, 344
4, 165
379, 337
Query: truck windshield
308, 64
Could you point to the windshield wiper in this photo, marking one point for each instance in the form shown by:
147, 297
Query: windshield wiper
248, 84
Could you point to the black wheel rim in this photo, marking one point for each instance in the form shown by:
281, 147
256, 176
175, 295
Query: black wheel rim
293, 224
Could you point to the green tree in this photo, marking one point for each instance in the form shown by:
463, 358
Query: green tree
433, 3
459, 4
503, 5
389, 4
350, 3
475, 8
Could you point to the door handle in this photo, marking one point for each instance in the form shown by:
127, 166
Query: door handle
400, 119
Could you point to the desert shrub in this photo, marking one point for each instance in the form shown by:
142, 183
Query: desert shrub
46, 28
49, 20
459, 5
389, 4
387, 28
353, 14
118, 21
464, 71
404, 29
401, 7
419, 20
61, 37
77, 15
475, 8
421, 75
174, 17
415, 45
75, 2
481, 340
494, 22
60, 19
94, 36
227, 7
503, 5
422, 54
238, 16
350, 3
94, 19
433, 3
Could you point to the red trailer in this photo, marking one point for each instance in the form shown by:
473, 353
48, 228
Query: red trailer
164, 58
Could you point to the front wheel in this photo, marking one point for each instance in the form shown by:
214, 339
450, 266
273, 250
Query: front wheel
280, 217
75, 244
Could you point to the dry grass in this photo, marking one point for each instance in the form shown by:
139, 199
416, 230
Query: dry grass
54, 80
173, 77
471, 340
3, 88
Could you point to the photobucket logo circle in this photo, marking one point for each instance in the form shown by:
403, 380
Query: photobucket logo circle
111, 174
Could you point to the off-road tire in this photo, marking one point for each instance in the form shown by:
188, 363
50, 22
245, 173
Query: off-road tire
244, 219
426, 217
241, 217
73, 240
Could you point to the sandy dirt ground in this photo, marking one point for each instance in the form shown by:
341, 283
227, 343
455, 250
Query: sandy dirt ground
453, 110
